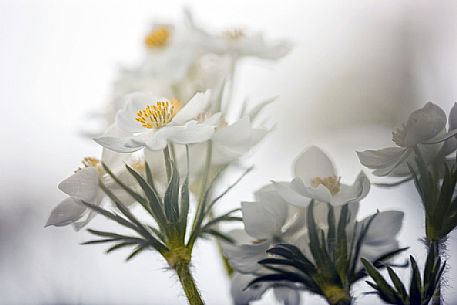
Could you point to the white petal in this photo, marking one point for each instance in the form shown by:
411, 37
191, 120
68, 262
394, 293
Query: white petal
382, 158
287, 296
291, 195
114, 159
452, 120
313, 162
424, 124
78, 225
243, 296
190, 133
119, 144
125, 118
193, 108
214, 119
68, 211
319, 193
384, 227
354, 193
264, 220
82, 185
244, 258
233, 141
398, 168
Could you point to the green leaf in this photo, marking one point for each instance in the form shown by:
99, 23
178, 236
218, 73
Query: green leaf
140, 228
136, 251
112, 216
129, 190
149, 176
153, 205
398, 285
415, 288
380, 262
358, 245
381, 283
171, 199
219, 235
332, 234
184, 213
215, 200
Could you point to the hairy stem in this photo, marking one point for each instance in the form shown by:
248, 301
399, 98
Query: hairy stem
188, 283
436, 298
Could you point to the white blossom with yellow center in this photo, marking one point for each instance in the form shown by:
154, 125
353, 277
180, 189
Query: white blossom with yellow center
83, 185
149, 122
316, 179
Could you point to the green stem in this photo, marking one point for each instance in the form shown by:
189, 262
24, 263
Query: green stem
188, 284
228, 268
166, 157
436, 298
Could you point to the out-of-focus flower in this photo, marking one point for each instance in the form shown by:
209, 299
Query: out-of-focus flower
171, 50
268, 220
152, 123
424, 131
238, 43
316, 178
83, 185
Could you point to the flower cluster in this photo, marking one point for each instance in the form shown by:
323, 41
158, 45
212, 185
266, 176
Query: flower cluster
309, 235
171, 135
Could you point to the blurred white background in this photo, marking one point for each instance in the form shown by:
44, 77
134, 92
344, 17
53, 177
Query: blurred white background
357, 70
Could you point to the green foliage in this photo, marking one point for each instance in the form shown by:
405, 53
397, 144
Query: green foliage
421, 288
335, 256
437, 195
168, 233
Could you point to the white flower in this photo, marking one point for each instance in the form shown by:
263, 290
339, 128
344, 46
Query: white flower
239, 44
425, 130
149, 122
172, 49
316, 178
242, 296
267, 220
271, 220
83, 185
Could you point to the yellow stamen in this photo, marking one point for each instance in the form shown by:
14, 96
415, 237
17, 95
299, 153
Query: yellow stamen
158, 37
138, 165
332, 183
234, 34
159, 114
90, 162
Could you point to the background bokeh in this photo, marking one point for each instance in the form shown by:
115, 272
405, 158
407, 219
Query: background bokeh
357, 70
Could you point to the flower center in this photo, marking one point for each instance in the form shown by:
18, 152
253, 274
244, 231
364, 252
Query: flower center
158, 115
158, 37
234, 34
398, 136
332, 183
90, 162
138, 165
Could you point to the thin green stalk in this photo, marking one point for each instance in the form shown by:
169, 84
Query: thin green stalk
436, 298
228, 268
166, 157
188, 283
229, 92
